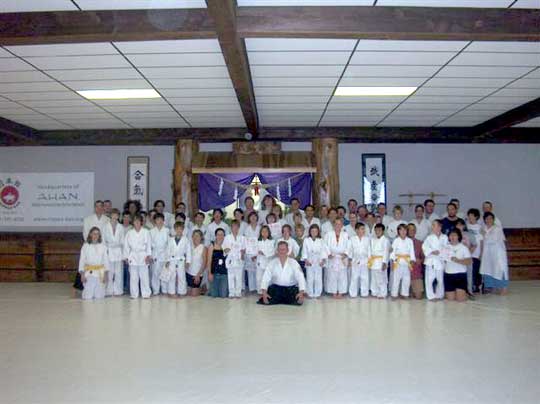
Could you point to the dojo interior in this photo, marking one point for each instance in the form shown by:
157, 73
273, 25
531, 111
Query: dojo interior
253, 86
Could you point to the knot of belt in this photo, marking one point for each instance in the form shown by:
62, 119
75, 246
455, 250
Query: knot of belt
404, 257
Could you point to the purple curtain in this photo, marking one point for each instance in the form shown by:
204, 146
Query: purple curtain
299, 186
210, 194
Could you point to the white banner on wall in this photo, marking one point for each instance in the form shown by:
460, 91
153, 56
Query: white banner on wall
45, 199
138, 168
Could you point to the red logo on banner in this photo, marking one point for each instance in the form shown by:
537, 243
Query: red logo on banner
9, 195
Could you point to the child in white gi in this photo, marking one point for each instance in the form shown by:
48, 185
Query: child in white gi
178, 260
337, 243
377, 262
266, 250
114, 240
234, 247
403, 258
314, 254
138, 253
294, 248
396, 220
433, 247
359, 252
93, 266
251, 233
160, 240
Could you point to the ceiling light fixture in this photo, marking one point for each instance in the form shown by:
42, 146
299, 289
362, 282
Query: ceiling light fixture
373, 91
119, 94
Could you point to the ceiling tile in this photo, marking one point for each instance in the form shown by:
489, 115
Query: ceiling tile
289, 91
526, 83
185, 72
197, 92
496, 59
74, 49
107, 84
467, 82
296, 71
192, 83
31, 87
445, 100
291, 99
94, 74
203, 101
532, 123
27, 76
298, 44
382, 82
518, 92
388, 45
367, 99
76, 62
401, 58
291, 107
13, 6
526, 4
505, 47
13, 65
49, 96
443, 91
138, 4
390, 71
45, 103
293, 81
298, 58
210, 108
177, 59
483, 71
174, 46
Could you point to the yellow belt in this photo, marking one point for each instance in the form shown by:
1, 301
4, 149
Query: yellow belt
405, 257
99, 268
371, 260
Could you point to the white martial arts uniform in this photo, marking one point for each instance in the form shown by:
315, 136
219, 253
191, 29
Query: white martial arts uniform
160, 242
211, 231
114, 240
494, 257
359, 252
379, 255
94, 264
432, 217
434, 264
266, 251
294, 248
402, 257
350, 230
173, 278
314, 251
289, 218
94, 221
168, 220
138, 246
386, 220
391, 230
326, 227
235, 263
275, 229
336, 267
307, 224
197, 260
423, 228
286, 275
251, 236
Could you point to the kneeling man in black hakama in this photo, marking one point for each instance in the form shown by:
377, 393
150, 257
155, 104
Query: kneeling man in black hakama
283, 281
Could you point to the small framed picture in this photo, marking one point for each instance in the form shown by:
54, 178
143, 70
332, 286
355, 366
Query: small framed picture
138, 171
373, 179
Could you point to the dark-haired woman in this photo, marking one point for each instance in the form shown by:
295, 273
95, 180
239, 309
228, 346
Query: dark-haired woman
217, 270
93, 266
455, 271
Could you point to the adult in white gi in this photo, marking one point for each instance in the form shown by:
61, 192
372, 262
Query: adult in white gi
168, 218
114, 240
97, 219
351, 227
251, 234
160, 241
295, 207
423, 225
494, 263
377, 262
429, 207
433, 247
93, 266
283, 281
138, 253
266, 250
337, 243
314, 255
310, 219
397, 219
234, 247
328, 225
385, 219
403, 258
359, 252
216, 223
178, 260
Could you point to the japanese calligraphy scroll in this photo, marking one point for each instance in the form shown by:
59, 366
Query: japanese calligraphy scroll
137, 182
374, 179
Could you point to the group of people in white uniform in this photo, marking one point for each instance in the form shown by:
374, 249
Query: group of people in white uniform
285, 258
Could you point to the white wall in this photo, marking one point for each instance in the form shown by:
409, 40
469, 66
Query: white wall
109, 164
506, 174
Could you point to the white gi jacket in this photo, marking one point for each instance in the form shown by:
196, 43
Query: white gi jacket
94, 221
160, 241
93, 260
114, 242
379, 252
289, 274
315, 251
137, 246
434, 243
359, 249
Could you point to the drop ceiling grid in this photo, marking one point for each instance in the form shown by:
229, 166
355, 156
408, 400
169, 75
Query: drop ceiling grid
182, 86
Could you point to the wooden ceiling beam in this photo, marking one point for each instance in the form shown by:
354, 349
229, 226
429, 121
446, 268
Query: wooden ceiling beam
104, 26
515, 116
15, 134
344, 134
223, 13
396, 23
